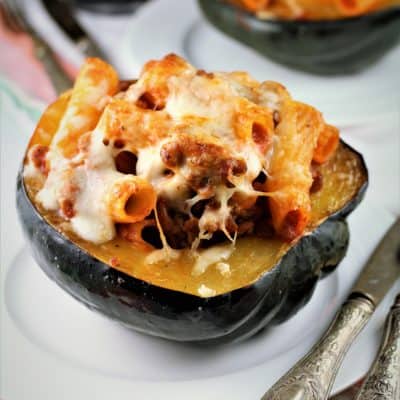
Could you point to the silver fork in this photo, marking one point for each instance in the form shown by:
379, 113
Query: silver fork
15, 20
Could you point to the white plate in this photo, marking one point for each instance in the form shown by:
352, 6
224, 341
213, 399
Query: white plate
54, 348
177, 26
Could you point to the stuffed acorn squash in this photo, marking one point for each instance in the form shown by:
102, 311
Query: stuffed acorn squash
188, 205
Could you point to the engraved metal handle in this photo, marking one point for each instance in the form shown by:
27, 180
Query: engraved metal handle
383, 379
312, 377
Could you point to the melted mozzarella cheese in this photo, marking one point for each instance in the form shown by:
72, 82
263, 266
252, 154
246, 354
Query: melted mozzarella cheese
270, 99
201, 105
211, 256
224, 268
203, 98
161, 255
205, 291
151, 167
149, 164
51, 191
219, 216
93, 221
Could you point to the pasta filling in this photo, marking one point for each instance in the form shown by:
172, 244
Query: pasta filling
311, 9
181, 159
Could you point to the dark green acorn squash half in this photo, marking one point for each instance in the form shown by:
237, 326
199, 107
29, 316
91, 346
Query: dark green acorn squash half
339, 46
270, 279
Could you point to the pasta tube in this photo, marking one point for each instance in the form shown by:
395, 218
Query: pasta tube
355, 7
130, 199
132, 127
327, 143
151, 90
289, 173
95, 82
254, 122
50, 121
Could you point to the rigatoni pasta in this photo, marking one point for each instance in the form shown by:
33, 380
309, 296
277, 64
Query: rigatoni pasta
327, 142
130, 199
181, 159
95, 82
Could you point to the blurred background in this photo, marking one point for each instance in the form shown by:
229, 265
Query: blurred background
320, 60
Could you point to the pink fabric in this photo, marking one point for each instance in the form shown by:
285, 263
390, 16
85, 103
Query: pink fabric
18, 63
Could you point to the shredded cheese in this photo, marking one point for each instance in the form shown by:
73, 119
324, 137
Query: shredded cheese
224, 268
205, 291
213, 255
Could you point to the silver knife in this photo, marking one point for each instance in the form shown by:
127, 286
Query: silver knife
62, 13
312, 377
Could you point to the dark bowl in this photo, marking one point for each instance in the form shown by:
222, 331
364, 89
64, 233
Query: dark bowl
323, 47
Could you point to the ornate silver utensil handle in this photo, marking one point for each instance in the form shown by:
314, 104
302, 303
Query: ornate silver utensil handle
312, 377
383, 379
